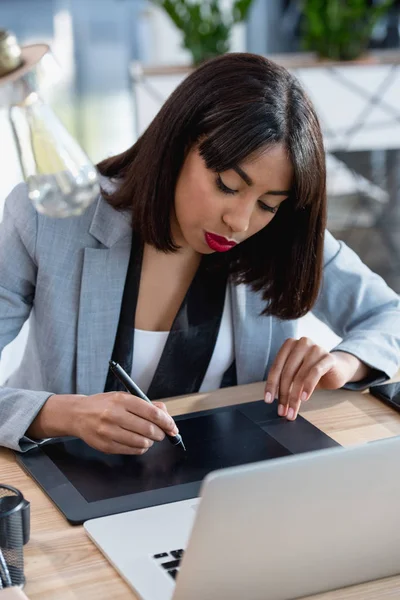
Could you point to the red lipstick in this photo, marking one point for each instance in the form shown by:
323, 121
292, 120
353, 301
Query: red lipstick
218, 243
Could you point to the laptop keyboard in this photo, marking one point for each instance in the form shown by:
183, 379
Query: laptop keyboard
169, 561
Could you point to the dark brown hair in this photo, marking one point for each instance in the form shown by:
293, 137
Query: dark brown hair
234, 106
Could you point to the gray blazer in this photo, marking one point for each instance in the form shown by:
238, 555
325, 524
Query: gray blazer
68, 275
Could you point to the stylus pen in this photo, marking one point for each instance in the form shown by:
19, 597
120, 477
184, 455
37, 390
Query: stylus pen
132, 388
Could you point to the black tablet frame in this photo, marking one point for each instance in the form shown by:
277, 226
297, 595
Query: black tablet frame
297, 436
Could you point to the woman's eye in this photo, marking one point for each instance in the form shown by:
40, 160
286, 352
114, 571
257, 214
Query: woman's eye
224, 188
227, 190
271, 209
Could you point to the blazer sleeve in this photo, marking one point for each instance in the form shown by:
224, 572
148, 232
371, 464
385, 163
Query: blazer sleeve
362, 309
18, 269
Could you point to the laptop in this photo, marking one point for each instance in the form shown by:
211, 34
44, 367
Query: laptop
277, 529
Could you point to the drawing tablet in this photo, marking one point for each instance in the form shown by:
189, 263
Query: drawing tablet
85, 483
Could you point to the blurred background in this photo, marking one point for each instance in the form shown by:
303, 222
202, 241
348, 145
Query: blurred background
120, 59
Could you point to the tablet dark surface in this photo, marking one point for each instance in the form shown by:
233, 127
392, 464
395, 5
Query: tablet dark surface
85, 483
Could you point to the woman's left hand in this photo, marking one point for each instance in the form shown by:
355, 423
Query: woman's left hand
300, 366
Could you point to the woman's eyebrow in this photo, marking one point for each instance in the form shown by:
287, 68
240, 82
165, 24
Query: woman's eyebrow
243, 175
250, 182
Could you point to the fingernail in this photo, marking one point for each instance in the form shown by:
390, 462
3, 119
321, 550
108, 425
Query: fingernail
304, 396
281, 410
290, 414
268, 397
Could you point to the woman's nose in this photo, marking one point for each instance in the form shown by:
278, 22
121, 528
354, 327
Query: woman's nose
238, 219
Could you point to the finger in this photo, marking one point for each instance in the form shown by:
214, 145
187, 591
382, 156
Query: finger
161, 405
268, 397
297, 393
309, 376
292, 410
112, 447
118, 414
317, 371
130, 431
150, 412
273, 382
134, 424
128, 438
290, 369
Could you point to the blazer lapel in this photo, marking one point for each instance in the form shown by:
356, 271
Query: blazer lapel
252, 334
102, 284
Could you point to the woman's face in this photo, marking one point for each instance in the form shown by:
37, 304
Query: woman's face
214, 211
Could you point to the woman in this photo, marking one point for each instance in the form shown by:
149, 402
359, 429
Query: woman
207, 244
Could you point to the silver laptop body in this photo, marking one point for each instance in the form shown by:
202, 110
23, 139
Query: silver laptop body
273, 530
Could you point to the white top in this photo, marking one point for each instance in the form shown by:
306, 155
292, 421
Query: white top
149, 346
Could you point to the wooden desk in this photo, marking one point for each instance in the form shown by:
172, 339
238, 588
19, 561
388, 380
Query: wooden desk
63, 564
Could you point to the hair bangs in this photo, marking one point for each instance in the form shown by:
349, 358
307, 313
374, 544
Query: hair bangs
232, 141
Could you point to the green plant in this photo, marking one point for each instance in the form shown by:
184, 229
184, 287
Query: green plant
205, 26
340, 29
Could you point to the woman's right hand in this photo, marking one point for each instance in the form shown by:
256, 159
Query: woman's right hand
119, 423
113, 422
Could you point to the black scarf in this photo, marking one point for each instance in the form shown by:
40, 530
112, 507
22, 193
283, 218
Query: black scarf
191, 341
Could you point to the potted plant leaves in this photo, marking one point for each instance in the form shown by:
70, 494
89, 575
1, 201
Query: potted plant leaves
340, 29
205, 25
